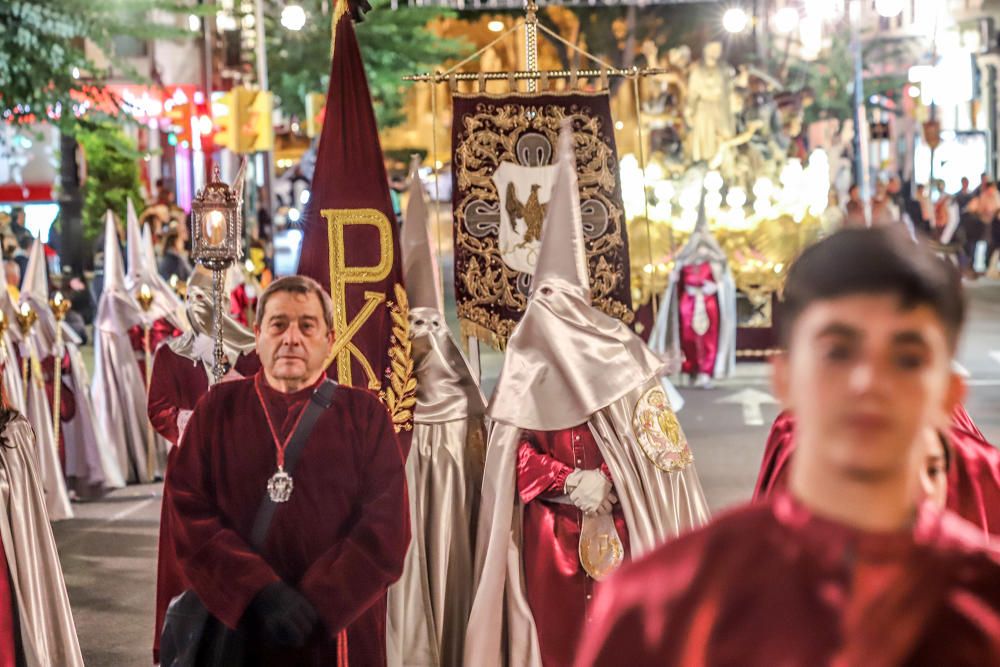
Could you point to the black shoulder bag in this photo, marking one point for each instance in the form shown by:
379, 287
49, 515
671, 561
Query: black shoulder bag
191, 636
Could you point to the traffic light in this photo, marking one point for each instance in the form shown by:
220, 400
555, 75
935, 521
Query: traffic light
243, 119
258, 131
224, 117
314, 109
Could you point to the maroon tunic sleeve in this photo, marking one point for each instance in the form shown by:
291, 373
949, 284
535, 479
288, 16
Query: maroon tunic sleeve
208, 550
354, 574
539, 474
162, 403
775, 465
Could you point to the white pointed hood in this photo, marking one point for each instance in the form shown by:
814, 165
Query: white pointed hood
133, 247
35, 292
142, 269
7, 304
114, 265
420, 268
566, 359
446, 388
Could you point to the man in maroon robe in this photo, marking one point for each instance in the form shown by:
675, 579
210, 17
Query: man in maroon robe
315, 594
869, 574
973, 474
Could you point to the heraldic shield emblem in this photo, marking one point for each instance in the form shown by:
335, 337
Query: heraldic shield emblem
659, 433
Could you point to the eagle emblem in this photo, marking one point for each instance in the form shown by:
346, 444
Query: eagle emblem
531, 211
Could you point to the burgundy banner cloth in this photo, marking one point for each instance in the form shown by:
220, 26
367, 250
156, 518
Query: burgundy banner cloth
973, 479
503, 151
350, 199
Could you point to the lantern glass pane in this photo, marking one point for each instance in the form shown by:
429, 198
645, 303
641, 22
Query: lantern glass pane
214, 229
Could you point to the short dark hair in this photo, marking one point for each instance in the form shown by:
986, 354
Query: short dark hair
879, 260
296, 285
170, 239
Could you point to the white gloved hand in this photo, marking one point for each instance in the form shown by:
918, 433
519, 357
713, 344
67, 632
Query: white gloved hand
183, 417
590, 491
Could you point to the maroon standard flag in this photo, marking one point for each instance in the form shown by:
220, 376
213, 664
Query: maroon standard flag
350, 244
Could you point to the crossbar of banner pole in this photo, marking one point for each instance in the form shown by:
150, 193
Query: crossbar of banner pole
527, 74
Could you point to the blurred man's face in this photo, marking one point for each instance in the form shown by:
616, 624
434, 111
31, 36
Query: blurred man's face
866, 378
13, 273
293, 340
933, 472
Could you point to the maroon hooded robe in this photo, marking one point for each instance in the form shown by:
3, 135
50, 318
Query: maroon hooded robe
774, 584
973, 477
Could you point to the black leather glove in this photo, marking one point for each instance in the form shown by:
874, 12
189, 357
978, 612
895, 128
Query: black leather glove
283, 614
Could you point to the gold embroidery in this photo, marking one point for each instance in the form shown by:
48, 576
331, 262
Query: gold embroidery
342, 275
400, 396
489, 137
659, 433
600, 547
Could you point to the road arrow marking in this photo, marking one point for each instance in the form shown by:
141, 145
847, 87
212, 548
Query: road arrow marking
751, 400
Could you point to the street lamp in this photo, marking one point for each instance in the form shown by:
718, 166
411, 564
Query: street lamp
889, 8
293, 17
217, 222
786, 20
735, 20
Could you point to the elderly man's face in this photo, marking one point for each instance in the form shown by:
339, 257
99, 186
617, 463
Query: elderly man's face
293, 340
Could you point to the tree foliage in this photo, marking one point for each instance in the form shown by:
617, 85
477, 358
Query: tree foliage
831, 76
393, 43
43, 55
112, 175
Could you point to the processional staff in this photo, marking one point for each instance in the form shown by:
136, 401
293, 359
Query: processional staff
60, 307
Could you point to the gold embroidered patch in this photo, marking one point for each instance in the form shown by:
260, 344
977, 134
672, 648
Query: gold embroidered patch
400, 392
659, 433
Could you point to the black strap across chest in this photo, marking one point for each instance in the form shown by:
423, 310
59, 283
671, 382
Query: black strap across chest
320, 400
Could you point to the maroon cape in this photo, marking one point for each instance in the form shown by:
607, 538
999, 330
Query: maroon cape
177, 384
161, 331
973, 479
8, 625
340, 539
773, 584
560, 593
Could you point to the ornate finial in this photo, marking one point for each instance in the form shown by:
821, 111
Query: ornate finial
531, 9
145, 297
59, 306
216, 174
26, 318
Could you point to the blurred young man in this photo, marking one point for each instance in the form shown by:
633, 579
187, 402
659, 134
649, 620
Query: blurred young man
850, 566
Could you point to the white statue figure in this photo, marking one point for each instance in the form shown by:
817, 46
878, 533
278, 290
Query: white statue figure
707, 111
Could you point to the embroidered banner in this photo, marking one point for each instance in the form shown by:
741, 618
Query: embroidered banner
502, 176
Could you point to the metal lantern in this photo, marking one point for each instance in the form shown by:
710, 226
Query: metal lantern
217, 238
217, 220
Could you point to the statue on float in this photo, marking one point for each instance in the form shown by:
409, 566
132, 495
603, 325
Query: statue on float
707, 106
